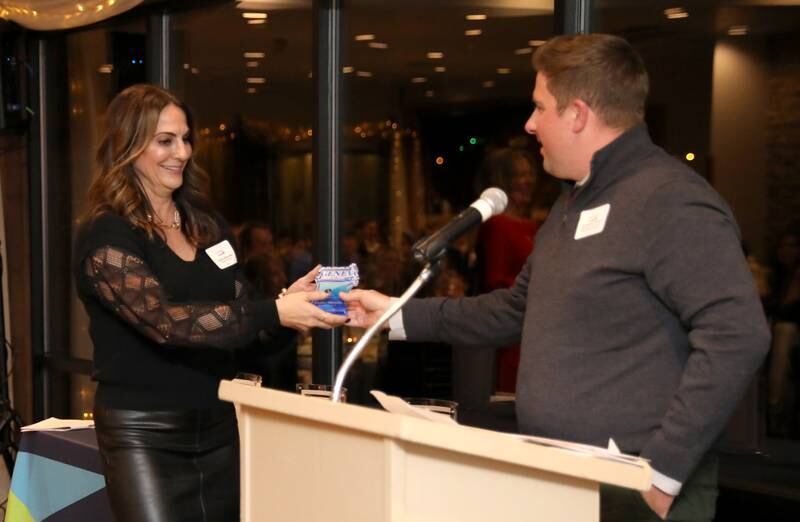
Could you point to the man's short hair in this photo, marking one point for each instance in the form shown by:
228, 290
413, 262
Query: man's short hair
602, 70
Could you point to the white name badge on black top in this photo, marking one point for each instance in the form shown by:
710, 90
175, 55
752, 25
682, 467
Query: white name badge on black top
222, 254
592, 221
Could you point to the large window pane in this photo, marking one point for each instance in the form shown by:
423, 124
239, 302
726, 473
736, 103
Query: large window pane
248, 82
436, 95
85, 70
725, 91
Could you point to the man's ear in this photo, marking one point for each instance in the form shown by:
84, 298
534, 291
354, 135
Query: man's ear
580, 114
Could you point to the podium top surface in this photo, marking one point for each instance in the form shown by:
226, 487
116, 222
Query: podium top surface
491, 445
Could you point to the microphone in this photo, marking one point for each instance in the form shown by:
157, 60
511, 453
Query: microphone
492, 202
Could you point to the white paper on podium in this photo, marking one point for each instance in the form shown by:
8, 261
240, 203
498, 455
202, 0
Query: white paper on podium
56, 424
610, 453
394, 404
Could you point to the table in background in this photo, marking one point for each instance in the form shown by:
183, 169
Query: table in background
58, 477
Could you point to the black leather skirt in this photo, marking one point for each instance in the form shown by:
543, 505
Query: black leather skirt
170, 466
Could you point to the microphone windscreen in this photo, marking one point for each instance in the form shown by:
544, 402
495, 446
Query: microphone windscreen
496, 198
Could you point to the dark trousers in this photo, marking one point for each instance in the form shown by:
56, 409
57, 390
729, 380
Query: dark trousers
696, 502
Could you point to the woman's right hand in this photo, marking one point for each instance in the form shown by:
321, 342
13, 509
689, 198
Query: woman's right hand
298, 312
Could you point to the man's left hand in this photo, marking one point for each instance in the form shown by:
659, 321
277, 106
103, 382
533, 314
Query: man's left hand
658, 501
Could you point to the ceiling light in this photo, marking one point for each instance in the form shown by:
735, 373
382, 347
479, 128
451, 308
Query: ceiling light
254, 54
256, 80
256, 22
419, 79
106, 68
429, 94
195, 70
674, 13
378, 45
251, 64
186, 66
364, 37
254, 16
536, 43
364, 74
503, 70
474, 17
738, 30
488, 84
251, 90
524, 50
473, 32
440, 68
347, 69
435, 55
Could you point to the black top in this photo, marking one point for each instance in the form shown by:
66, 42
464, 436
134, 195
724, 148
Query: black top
164, 329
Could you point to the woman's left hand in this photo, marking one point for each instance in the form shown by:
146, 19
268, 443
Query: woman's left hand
306, 283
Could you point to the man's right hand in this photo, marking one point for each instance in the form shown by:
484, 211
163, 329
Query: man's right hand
364, 307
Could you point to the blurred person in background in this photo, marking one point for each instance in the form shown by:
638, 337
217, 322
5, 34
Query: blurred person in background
783, 309
505, 241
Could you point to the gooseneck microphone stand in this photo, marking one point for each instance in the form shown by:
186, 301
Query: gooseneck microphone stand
426, 275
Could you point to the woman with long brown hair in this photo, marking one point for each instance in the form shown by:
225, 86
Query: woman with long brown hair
157, 272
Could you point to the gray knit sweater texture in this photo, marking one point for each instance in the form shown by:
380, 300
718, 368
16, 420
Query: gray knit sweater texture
647, 332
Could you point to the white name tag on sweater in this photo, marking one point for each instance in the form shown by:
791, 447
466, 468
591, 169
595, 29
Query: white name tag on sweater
592, 221
222, 254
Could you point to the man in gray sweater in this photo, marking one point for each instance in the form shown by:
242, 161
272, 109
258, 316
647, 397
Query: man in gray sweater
638, 317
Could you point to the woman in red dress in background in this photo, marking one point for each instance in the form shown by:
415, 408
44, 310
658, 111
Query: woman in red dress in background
505, 242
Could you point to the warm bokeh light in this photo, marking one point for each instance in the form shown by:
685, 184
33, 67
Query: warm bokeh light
674, 13
738, 30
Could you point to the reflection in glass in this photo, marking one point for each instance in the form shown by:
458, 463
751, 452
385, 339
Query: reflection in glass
252, 101
724, 90
97, 63
252, 98
427, 111
82, 393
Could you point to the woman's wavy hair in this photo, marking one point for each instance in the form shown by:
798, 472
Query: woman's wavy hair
130, 124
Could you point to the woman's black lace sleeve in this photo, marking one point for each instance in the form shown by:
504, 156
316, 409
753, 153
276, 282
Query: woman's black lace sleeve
125, 284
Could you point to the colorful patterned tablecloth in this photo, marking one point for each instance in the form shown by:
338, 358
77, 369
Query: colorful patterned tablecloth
58, 478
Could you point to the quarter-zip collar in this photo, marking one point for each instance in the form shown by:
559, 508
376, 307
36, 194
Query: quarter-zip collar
615, 159
610, 163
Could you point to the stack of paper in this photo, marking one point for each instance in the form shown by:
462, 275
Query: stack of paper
56, 424
394, 404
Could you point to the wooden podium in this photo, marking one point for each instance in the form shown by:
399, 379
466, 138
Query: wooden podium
307, 459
